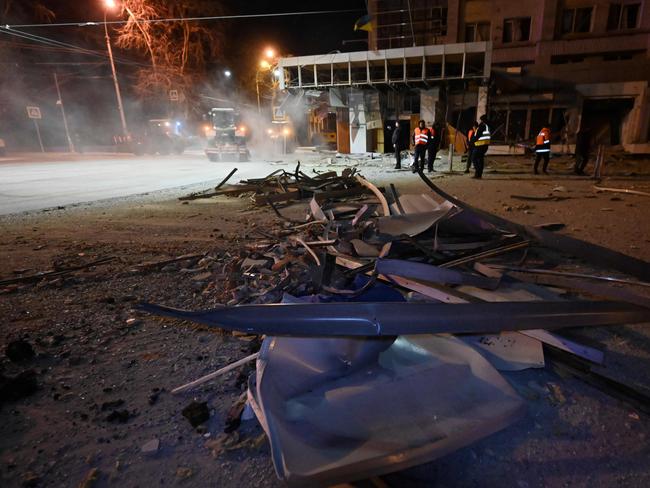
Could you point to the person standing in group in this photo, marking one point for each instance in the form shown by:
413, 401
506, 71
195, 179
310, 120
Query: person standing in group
542, 149
397, 145
583, 148
481, 141
421, 136
470, 146
434, 145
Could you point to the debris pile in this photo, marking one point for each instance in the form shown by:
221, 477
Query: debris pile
281, 187
387, 319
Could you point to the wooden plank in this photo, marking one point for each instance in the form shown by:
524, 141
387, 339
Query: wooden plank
277, 197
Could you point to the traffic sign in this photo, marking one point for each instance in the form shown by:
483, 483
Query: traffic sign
173, 95
34, 113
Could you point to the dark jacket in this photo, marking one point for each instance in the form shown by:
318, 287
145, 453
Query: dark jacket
434, 142
395, 139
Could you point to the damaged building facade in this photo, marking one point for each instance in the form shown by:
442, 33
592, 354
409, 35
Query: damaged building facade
569, 64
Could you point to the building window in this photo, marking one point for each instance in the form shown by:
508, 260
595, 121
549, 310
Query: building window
623, 16
477, 32
516, 30
576, 20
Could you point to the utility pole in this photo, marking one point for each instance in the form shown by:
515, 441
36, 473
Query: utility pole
125, 130
65, 120
257, 89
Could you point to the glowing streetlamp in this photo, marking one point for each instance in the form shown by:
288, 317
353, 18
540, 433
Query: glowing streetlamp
227, 73
269, 52
265, 66
111, 5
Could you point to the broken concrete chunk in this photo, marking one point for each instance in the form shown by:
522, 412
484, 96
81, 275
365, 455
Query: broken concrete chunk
19, 350
119, 416
151, 447
196, 413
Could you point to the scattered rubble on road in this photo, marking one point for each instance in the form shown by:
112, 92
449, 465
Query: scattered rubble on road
338, 407
317, 397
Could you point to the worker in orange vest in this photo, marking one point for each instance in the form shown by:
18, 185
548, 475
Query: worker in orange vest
421, 137
543, 149
470, 146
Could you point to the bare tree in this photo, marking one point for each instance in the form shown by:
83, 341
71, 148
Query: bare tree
178, 51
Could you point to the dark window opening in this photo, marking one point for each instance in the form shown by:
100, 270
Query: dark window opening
567, 59
516, 30
539, 118
576, 20
403, 24
623, 16
477, 32
620, 56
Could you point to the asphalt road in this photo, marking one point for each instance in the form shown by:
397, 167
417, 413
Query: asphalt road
34, 182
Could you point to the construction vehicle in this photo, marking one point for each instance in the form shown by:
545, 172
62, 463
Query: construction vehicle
160, 136
228, 141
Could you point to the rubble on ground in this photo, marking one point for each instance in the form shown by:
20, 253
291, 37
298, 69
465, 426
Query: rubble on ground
339, 409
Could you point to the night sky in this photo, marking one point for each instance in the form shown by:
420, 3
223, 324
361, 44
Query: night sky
297, 35
86, 78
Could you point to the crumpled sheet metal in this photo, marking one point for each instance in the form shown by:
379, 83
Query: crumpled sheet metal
413, 204
393, 319
421, 212
508, 351
598, 255
338, 410
410, 224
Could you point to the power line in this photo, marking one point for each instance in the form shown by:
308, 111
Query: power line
54, 43
184, 19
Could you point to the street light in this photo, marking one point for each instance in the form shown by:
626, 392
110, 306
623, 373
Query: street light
111, 5
227, 73
269, 53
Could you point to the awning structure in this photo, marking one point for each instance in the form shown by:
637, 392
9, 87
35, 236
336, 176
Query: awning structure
413, 65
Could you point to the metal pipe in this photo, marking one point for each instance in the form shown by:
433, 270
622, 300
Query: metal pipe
65, 120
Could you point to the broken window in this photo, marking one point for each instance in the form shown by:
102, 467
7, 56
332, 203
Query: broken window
576, 20
477, 32
516, 29
402, 23
623, 16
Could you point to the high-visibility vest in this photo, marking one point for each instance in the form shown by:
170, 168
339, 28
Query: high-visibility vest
421, 136
543, 141
484, 138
